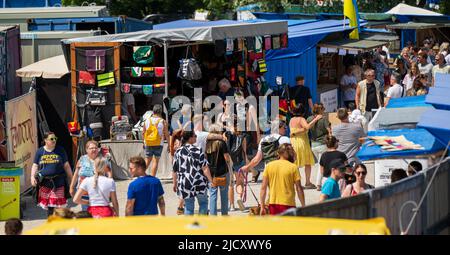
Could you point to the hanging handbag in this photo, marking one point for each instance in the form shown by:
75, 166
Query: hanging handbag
189, 69
95, 60
106, 79
143, 54
87, 78
96, 97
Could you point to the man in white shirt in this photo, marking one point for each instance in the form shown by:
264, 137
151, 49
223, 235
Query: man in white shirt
425, 67
203, 136
440, 67
129, 105
395, 91
348, 86
281, 126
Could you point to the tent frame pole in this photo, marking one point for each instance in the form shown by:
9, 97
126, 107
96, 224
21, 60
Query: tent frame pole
166, 77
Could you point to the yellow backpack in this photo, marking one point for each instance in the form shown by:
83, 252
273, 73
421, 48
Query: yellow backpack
151, 135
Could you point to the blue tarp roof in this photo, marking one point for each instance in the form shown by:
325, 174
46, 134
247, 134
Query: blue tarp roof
439, 97
417, 136
184, 23
417, 101
437, 122
442, 80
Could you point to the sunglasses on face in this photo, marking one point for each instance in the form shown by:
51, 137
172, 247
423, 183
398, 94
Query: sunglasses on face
53, 139
360, 173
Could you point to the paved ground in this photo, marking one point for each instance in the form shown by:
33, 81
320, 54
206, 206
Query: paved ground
34, 216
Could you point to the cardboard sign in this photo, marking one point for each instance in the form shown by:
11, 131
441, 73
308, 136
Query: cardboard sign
384, 167
329, 100
22, 134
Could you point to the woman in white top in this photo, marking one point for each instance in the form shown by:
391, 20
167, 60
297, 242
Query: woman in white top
101, 190
413, 73
395, 91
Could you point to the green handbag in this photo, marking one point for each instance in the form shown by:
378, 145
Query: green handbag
106, 79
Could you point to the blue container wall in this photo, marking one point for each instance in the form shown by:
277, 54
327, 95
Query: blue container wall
113, 24
407, 35
28, 3
289, 68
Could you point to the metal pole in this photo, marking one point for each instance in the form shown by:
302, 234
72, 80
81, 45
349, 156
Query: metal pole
166, 78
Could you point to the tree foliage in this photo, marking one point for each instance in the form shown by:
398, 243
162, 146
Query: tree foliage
140, 8
221, 8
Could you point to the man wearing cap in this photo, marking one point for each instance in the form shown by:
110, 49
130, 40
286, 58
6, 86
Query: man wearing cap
330, 189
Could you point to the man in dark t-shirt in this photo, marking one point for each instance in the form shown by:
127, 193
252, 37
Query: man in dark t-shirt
302, 95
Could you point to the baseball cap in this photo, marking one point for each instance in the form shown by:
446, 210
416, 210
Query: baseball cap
338, 163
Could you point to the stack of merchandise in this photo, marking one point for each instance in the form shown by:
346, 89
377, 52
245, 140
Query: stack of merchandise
121, 128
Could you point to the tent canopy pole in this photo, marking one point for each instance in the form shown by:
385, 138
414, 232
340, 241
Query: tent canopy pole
166, 78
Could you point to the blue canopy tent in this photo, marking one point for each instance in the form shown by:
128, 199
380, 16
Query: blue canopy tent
300, 58
437, 122
405, 102
417, 136
439, 97
442, 80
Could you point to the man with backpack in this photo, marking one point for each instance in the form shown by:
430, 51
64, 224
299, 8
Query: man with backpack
154, 132
268, 147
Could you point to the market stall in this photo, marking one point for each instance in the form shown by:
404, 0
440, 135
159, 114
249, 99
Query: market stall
333, 57
146, 65
399, 148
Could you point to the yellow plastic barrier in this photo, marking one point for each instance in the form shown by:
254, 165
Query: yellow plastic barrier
10, 193
204, 225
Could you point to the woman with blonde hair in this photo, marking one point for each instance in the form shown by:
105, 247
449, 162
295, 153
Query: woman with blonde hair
85, 168
101, 190
300, 142
409, 78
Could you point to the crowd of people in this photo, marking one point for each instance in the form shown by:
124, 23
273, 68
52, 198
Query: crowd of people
212, 159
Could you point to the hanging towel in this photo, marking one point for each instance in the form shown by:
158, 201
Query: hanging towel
147, 89
267, 42
258, 44
275, 42
284, 40
219, 48
230, 46
240, 44
126, 88
85, 77
136, 71
159, 71
250, 41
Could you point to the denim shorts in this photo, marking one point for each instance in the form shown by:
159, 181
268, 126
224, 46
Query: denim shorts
151, 151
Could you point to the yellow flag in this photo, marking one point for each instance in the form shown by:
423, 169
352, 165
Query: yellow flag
351, 13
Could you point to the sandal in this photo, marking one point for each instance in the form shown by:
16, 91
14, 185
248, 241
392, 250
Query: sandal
319, 188
180, 211
310, 186
255, 178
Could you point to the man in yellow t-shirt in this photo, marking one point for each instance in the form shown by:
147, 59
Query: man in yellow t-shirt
283, 179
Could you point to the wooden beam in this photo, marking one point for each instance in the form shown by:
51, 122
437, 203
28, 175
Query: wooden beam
73, 73
117, 99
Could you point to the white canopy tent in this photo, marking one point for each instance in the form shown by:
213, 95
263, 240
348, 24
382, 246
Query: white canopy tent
49, 68
193, 34
170, 38
404, 9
